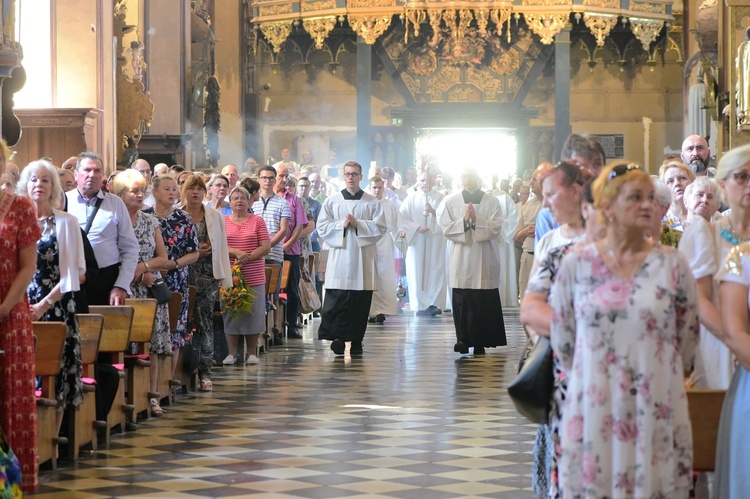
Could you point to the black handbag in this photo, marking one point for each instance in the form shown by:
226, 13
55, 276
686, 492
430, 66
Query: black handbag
531, 391
160, 291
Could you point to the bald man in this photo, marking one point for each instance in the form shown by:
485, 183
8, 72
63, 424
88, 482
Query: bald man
696, 154
231, 172
161, 169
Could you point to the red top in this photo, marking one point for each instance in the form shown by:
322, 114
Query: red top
247, 237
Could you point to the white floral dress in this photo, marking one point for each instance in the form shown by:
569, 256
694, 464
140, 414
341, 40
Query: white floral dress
625, 345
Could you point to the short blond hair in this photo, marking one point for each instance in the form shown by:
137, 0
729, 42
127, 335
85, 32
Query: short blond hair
127, 180
676, 164
608, 183
733, 160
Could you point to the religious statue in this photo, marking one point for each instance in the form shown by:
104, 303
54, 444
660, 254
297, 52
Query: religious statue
698, 107
743, 82
136, 53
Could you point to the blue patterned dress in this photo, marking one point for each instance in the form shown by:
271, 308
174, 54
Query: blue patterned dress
180, 238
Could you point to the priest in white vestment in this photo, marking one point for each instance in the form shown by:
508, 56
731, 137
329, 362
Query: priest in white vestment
508, 286
472, 220
426, 274
384, 297
351, 222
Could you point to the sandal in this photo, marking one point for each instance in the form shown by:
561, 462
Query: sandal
206, 385
156, 409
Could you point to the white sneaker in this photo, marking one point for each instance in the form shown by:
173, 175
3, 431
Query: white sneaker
252, 359
229, 361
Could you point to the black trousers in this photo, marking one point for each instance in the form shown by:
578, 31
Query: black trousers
344, 315
292, 293
97, 291
478, 317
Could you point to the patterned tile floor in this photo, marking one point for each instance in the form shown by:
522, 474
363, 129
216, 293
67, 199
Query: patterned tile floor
409, 419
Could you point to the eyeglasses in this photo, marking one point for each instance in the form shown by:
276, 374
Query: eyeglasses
742, 178
352, 174
622, 170
267, 178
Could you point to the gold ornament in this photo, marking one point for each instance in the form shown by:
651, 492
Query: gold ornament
276, 33
600, 26
369, 27
546, 25
645, 31
318, 29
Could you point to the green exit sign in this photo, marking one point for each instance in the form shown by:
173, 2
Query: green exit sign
397, 121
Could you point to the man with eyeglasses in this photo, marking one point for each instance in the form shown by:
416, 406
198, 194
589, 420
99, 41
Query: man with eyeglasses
142, 167
696, 154
351, 222
292, 250
276, 214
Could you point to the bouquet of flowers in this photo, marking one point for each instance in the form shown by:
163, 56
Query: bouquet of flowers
240, 297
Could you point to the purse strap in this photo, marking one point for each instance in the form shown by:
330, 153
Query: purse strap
90, 219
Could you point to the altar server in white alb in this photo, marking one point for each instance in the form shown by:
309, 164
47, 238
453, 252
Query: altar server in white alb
425, 258
472, 221
384, 298
351, 222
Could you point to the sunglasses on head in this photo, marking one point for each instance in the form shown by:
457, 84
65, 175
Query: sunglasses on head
622, 170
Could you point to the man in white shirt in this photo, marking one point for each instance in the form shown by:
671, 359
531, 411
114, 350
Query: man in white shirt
286, 161
110, 232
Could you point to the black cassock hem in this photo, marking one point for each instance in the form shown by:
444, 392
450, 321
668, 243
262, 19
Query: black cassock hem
344, 315
478, 317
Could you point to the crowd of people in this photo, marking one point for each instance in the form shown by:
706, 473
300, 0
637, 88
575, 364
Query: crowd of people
641, 285
640, 282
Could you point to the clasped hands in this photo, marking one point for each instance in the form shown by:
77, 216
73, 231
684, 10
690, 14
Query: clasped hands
350, 221
470, 215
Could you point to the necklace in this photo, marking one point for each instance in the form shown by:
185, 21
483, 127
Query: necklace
615, 262
730, 236
165, 214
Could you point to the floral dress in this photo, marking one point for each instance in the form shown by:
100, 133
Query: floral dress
180, 238
625, 345
18, 230
547, 444
202, 277
145, 228
68, 384
10, 471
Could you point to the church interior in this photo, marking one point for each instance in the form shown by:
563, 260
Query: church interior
496, 84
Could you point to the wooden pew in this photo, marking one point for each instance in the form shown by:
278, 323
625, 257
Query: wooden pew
139, 365
704, 407
118, 320
285, 270
50, 341
82, 422
273, 282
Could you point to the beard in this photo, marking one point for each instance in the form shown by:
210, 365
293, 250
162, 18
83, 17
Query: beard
698, 166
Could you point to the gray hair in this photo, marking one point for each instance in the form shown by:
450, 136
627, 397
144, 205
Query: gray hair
733, 160
662, 193
33, 167
242, 191
697, 184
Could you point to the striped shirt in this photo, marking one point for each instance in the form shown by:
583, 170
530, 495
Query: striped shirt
273, 210
247, 237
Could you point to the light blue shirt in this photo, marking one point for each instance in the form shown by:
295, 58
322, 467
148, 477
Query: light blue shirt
111, 234
544, 224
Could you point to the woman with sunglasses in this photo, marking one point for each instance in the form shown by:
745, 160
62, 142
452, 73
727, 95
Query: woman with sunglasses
732, 451
624, 327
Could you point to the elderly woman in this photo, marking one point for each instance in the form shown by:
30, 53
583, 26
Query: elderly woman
60, 267
732, 459
706, 246
660, 230
702, 199
219, 186
249, 242
131, 186
181, 242
677, 176
67, 180
624, 328
211, 270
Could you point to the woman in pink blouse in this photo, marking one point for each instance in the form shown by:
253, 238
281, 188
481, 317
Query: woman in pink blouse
249, 243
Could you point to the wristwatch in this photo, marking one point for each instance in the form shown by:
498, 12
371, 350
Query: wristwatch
49, 302
145, 264
176, 264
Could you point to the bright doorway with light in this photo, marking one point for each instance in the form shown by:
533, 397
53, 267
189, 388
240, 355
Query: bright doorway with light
490, 151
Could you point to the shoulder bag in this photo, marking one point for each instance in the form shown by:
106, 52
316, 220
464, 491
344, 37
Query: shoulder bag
531, 391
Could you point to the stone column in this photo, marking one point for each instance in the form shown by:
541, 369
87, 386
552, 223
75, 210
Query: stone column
364, 105
562, 90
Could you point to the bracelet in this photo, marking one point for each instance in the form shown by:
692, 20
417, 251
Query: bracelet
176, 264
145, 264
